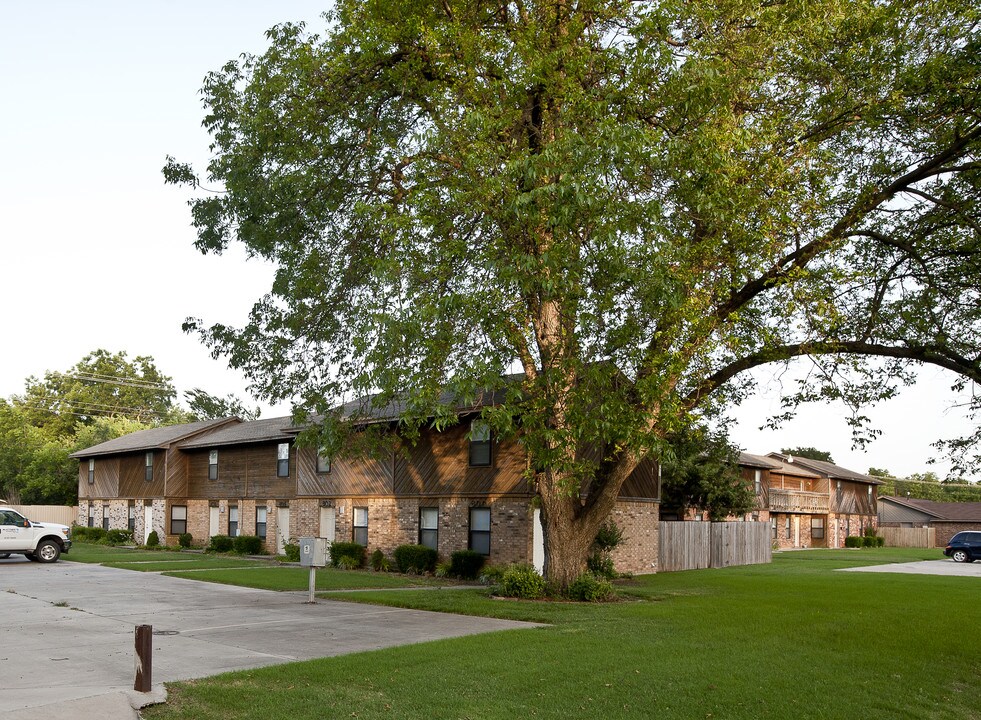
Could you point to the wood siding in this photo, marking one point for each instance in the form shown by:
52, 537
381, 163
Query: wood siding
439, 465
369, 477
175, 473
132, 476
853, 499
642, 483
244, 471
106, 478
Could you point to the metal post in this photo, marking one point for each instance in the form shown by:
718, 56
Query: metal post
144, 657
313, 584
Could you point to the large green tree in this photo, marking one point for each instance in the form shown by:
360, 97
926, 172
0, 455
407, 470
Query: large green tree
101, 384
633, 203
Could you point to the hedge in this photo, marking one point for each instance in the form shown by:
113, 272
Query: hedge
347, 555
415, 559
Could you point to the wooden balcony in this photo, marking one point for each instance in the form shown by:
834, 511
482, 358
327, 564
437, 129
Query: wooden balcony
797, 501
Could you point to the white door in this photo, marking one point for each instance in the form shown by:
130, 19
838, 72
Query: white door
328, 526
538, 542
213, 522
147, 522
282, 529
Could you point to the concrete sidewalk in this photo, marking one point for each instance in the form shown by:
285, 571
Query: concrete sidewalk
67, 634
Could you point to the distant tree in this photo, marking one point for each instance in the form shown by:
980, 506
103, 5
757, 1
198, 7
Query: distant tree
700, 470
102, 384
34, 465
205, 406
879, 472
809, 453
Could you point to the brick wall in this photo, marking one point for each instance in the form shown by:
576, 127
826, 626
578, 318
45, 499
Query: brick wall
639, 522
947, 530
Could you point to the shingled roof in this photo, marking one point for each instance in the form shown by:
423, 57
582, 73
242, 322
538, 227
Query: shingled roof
826, 469
266, 430
949, 511
757, 461
154, 438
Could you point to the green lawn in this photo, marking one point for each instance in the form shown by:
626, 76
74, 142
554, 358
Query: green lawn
790, 639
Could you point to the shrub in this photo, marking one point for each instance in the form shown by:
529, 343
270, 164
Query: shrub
247, 544
521, 580
347, 555
466, 564
221, 544
83, 533
380, 563
869, 531
292, 551
415, 558
443, 570
588, 588
119, 537
601, 565
491, 575
880, 541
854, 541
608, 537
153, 540
184, 540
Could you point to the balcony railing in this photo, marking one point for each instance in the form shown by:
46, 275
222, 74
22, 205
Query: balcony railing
797, 501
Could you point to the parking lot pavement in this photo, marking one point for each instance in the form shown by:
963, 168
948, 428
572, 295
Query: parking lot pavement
67, 631
925, 567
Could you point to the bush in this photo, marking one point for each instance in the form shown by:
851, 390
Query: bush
83, 533
347, 555
880, 541
490, 575
221, 544
380, 563
588, 588
869, 531
443, 570
119, 537
153, 540
415, 559
247, 544
609, 537
601, 565
184, 540
854, 541
292, 551
466, 564
521, 580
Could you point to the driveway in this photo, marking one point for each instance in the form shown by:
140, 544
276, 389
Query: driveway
67, 632
925, 567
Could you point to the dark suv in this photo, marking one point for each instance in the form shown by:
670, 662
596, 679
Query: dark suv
964, 546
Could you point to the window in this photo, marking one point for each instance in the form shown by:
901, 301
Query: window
773, 524
361, 526
480, 527
283, 460
233, 521
178, 519
131, 516
429, 527
91, 515
148, 473
91, 473
323, 463
786, 527
817, 528
213, 465
260, 521
480, 445
757, 481
105, 517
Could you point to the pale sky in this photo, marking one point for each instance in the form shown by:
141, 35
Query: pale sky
97, 252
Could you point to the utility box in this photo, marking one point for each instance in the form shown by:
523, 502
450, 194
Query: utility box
314, 552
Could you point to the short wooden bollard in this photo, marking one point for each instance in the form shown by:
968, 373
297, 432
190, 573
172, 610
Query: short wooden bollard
144, 657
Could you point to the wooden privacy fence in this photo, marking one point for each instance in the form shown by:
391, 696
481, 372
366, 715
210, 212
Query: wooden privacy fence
696, 545
909, 537
62, 514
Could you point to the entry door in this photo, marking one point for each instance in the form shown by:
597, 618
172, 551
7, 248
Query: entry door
147, 522
796, 531
213, 522
328, 526
282, 529
538, 543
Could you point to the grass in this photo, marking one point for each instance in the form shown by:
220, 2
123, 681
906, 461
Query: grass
790, 639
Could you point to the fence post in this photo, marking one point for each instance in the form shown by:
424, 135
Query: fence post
144, 657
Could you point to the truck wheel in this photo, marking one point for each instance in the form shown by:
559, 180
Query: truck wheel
31, 556
48, 551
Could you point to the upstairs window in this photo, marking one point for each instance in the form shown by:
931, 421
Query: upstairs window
757, 481
148, 472
323, 462
213, 465
480, 444
283, 460
91, 472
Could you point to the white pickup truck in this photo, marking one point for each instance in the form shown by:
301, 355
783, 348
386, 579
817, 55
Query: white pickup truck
40, 542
